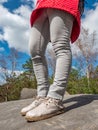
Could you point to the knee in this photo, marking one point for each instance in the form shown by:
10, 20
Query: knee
61, 48
33, 48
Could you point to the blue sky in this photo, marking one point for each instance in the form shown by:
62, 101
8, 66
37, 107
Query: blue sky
15, 26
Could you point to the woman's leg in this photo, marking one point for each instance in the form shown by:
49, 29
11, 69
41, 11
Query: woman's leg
60, 30
38, 41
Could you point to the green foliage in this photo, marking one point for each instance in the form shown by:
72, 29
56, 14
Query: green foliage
11, 90
76, 84
51, 79
79, 85
28, 67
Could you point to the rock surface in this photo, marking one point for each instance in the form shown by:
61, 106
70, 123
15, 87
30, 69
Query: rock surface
28, 93
81, 113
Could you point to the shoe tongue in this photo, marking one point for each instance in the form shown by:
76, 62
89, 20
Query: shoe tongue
39, 98
53, 100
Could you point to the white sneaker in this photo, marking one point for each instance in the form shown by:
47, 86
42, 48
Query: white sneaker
34, 104
46, 109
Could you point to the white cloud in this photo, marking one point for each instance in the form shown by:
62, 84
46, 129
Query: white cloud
3, 1
23, 11
35, 1
1, 37
1, 49
75, 50
29, 2
15, 27
90, 22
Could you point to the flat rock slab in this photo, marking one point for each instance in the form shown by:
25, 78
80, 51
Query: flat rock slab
81, 113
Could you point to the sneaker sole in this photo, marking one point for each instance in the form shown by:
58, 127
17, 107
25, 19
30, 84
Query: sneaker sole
23, 113
44, 116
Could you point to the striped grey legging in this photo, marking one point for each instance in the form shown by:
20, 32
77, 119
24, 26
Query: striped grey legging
55, 26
